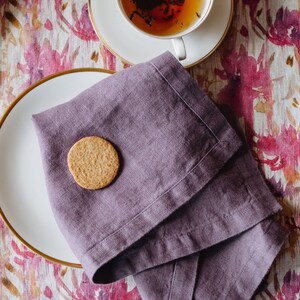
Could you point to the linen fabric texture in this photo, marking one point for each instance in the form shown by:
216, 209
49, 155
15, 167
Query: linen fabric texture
189, 215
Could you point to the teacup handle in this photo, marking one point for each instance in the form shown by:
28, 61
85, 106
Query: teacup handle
179, 48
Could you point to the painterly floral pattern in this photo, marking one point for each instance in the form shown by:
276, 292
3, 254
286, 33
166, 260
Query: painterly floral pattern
255, 72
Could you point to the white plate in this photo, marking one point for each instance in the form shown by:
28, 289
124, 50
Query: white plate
23, 195
134, 47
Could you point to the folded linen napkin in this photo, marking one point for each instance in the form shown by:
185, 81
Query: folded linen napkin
187, 183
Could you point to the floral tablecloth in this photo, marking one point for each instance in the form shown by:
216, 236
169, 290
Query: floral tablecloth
256, 71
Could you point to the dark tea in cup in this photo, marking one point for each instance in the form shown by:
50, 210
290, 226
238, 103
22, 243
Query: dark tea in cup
163, 17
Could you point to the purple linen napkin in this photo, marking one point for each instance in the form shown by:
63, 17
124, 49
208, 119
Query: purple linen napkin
229, 270
186, 183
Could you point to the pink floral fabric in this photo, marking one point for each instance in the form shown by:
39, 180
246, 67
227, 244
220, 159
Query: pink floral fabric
255, 71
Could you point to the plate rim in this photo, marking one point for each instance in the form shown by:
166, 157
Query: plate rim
2, 120
96, 29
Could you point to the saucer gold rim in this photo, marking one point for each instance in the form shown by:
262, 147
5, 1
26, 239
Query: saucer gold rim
130, 63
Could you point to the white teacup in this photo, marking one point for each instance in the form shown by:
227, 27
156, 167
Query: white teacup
177, 39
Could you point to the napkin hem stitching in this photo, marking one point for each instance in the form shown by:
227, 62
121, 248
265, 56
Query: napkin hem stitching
182, 99
242, 209
154, 201
243, 268
271, 247
172, 281
189, 230
225, 216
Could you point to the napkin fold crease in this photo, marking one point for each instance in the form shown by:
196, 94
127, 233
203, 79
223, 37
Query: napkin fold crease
189, 210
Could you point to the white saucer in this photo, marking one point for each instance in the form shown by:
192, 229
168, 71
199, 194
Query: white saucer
23, 196
134, 47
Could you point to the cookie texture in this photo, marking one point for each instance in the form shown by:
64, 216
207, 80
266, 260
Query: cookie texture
93, 162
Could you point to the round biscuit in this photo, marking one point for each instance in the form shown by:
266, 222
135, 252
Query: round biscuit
93, 162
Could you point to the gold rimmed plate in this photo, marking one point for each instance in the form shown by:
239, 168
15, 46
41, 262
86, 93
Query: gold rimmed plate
23, 196
134, 47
